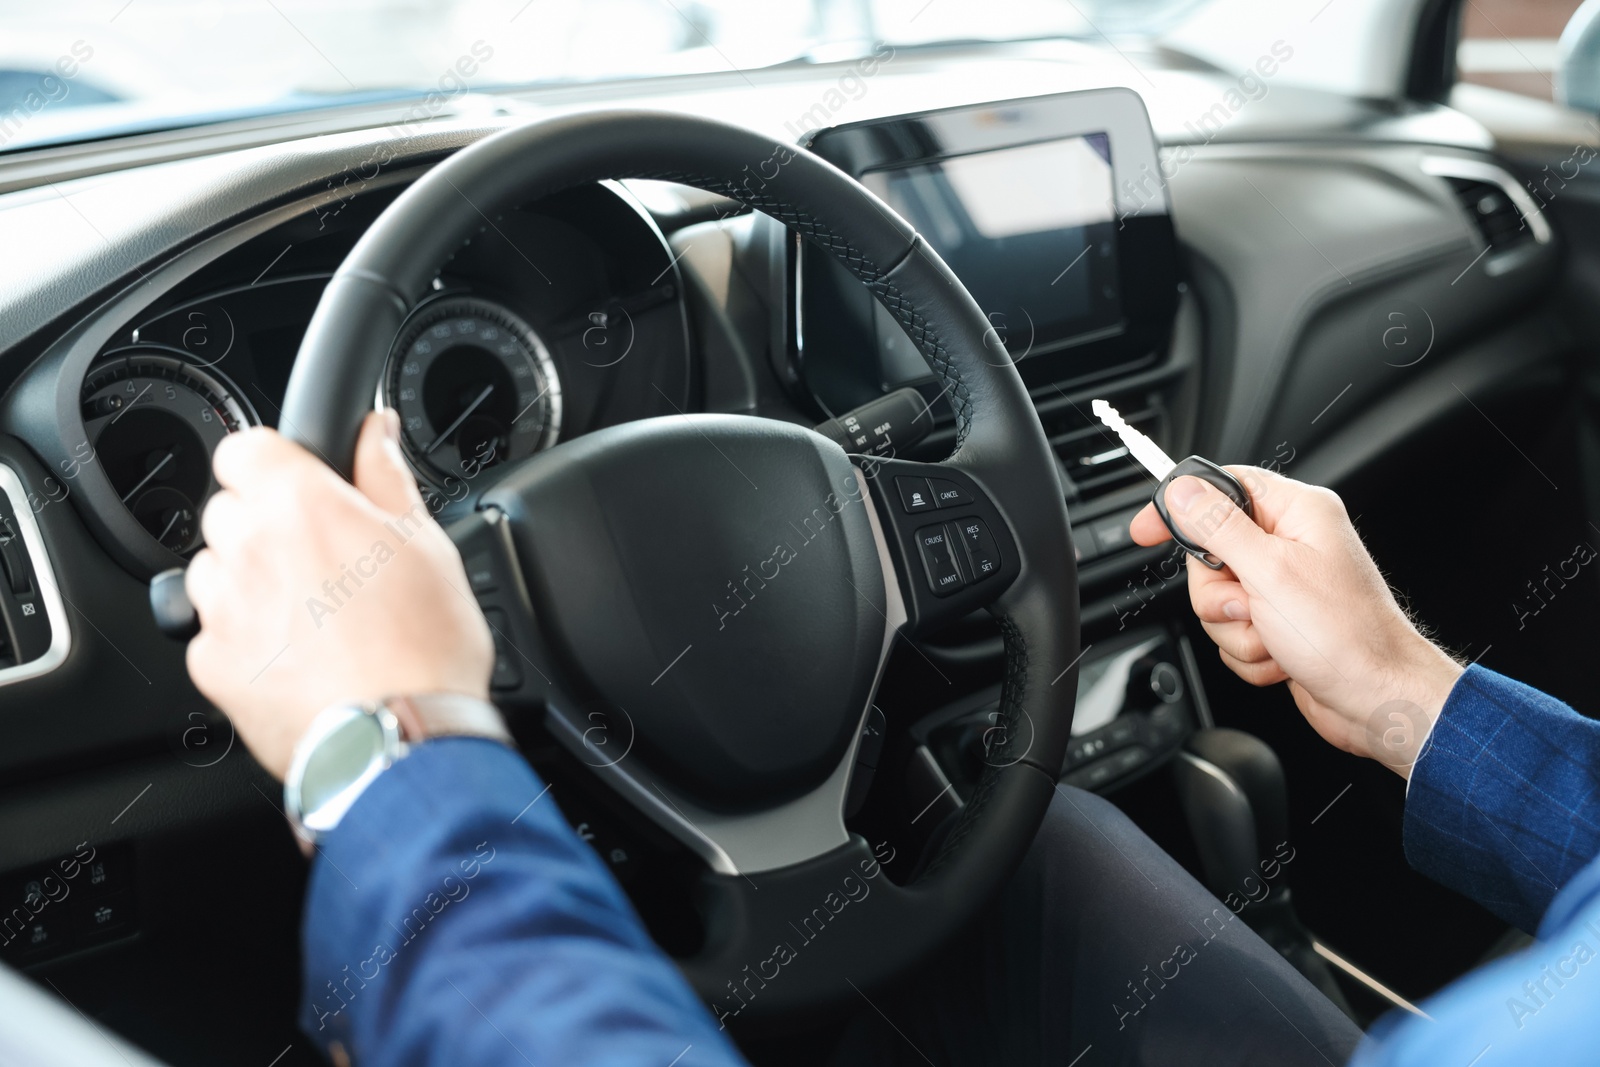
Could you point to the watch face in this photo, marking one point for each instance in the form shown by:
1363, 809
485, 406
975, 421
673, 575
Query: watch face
351, 750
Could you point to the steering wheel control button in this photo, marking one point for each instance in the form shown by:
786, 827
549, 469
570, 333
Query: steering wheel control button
873, 731
939, 559
505, 674
948, 494
982, 553
914, 494
480, 573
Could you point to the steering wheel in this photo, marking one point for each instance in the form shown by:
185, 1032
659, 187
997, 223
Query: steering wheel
725, 590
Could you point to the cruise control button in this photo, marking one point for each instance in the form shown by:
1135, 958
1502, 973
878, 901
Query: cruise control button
982, 553
939, 559
480, 573
914, 494
947, 494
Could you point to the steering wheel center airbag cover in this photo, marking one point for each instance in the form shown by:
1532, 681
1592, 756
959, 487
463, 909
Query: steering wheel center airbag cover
715, 578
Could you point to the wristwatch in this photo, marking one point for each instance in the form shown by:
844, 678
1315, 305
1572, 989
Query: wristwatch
349, 745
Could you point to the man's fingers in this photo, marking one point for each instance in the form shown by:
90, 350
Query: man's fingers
380, 469
1215, 523
201, 581
1218, 599
223, 522
1238, 639
246, 459
1265, 672
1147, 527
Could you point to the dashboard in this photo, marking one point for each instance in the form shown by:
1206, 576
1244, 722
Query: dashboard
512, 350
1261, 296
1207, 291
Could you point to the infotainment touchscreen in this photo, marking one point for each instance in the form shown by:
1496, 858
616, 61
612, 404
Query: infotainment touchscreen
1030, 229
1052, 211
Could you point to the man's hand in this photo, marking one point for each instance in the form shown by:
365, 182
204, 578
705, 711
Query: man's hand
1302, 601
313, 592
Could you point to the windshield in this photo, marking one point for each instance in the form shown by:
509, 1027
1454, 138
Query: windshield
76, 69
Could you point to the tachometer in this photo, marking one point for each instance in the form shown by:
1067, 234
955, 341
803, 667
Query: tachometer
153, 421
473, 385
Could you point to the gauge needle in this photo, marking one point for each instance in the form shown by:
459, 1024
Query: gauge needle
176, 515
456, 425
153, 472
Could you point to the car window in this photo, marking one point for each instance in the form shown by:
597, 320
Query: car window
1513, 44
78, 69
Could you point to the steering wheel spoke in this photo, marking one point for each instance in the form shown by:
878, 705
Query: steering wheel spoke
952, 549
524, 672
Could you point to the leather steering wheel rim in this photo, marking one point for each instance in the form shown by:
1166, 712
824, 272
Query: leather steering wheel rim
744, 969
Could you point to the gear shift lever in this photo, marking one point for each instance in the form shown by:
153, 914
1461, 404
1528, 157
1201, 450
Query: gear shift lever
1232, 788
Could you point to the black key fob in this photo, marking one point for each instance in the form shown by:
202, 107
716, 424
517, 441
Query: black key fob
1206, 471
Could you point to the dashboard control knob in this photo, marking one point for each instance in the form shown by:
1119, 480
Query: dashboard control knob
169, 603
1166, 682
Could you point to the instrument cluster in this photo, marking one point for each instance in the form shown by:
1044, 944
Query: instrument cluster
564, 317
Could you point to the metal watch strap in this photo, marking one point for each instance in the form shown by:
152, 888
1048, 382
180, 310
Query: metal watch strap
425, 715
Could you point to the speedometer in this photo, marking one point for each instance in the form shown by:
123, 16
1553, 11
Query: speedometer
474, 387
153, 421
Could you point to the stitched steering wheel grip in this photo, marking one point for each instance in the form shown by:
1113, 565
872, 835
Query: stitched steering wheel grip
767, 959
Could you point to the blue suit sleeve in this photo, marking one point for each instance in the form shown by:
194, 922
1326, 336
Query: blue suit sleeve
1503, 804
454, 917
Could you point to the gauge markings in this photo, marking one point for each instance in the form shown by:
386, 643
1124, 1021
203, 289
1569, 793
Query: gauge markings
458, 373
129, 405
153, 419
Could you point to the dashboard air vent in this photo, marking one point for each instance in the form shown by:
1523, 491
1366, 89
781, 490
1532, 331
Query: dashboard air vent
1091, 455
1489, 209
1496, 206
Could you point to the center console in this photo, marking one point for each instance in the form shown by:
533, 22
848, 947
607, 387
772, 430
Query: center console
1053, 212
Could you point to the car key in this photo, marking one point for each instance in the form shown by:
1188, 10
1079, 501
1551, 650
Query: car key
1161, 467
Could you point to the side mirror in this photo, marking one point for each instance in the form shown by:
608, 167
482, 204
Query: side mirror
1578, 59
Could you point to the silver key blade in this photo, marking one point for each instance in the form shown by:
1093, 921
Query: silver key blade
1146, 451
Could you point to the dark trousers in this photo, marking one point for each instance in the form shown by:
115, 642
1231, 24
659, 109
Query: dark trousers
1102, 951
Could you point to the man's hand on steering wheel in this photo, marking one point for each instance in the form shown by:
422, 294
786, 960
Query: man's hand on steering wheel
312, 591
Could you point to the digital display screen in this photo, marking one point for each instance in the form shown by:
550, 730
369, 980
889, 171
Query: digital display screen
1030, 231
